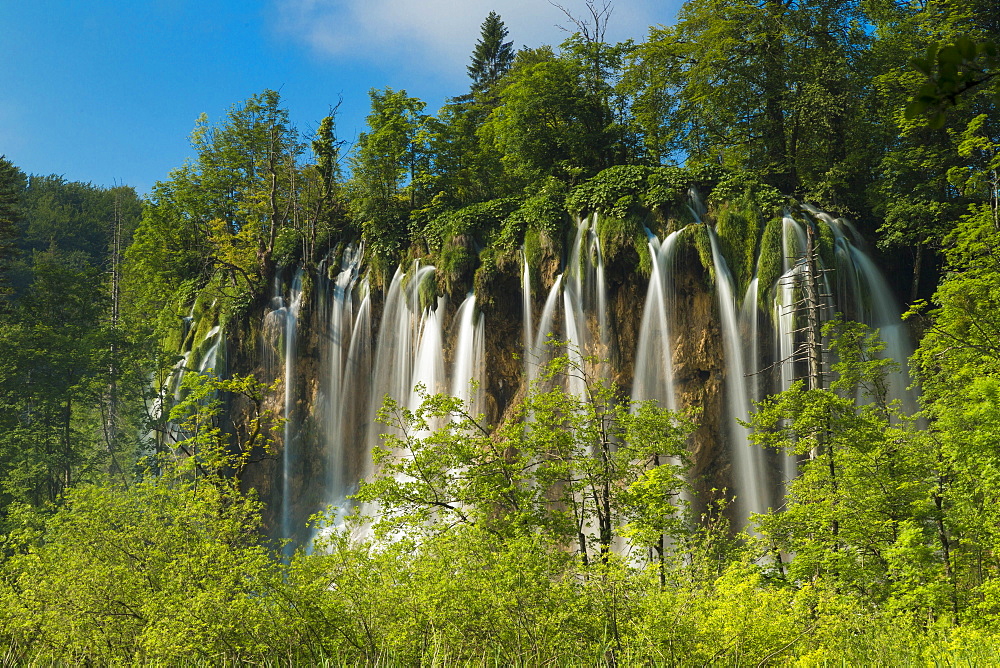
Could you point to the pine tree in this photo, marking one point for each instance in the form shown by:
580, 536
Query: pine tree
492, 56
12, 183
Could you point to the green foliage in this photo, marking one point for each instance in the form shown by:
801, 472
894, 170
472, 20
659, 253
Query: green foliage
156, 571
621, 189
951, 71
389, 168
749, 191
51, 381
548, 121
613, 190
204, 448
773, 89
166, 568
543, 212
495, 543
770, 264
12, 183
214, 225
492, 56
581, 470
288, 247
861, 513
476, 221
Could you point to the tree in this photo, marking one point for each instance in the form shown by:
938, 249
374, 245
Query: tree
861, 515
245, 173
549, 122
771, 87
12, 183
492, 56
53, 383
952, 70
323, 197
389, 169
914, 196
584, 470
161, 569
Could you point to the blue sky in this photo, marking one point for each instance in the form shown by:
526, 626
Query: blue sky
108, 92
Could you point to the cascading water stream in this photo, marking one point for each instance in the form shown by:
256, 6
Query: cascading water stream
654, 373
289, 454
793, 245
344, 356
540, 352
748, 463
528, 331
468, 373
428, 364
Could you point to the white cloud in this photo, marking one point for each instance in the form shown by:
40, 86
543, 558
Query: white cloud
442, 33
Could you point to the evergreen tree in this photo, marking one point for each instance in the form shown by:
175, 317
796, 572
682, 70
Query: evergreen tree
492, 56
12, 182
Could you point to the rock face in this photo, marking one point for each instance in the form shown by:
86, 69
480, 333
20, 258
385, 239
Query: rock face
699, 375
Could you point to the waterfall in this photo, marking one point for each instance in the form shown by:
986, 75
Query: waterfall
468, 373
584, 325
395, 354
345, 358
540, 353
750, 326
428, 364
527, 331
289, 453
793, 245
747, 462
853, 286
654, 366
419, 339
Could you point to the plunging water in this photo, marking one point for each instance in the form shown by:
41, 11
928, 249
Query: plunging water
290, 451
654, 366
747, 462
346, 358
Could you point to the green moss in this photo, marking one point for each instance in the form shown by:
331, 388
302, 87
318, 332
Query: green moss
533, 247
170, 320
738, 227
484, 277
308, 286
427, 292
454, 263
380, 268
208, 314
771, 262
827, 246
334, 259
618, 234
614, 233
645, 258
697, 236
